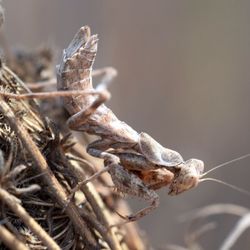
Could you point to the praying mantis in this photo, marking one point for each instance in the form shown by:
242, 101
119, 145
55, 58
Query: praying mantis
118, 141
137, 164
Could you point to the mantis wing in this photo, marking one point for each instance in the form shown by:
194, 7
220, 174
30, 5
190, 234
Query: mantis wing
156, 153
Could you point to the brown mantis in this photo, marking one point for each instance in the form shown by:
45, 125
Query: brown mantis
138, 164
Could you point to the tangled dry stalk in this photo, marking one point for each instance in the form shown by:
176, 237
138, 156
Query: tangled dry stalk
39, 164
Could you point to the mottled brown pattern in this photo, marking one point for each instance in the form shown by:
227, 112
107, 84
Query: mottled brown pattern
144, 164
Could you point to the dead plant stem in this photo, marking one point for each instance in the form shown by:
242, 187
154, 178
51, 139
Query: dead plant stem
48, 177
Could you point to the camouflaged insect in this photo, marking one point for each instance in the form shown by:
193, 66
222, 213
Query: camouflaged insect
136, 162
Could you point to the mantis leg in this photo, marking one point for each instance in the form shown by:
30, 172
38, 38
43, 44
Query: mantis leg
125, 181
97, 149
128, 183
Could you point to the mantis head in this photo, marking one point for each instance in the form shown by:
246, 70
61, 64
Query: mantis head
187, 174
187, 177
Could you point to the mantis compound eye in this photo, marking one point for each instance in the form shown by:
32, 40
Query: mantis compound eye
187, 177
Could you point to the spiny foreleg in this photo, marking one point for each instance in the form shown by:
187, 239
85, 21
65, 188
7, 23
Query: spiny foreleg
97, 149
125, 181
128, 183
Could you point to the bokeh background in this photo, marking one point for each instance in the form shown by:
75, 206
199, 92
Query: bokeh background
184, 78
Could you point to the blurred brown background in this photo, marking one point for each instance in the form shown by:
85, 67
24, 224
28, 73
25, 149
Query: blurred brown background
184, 78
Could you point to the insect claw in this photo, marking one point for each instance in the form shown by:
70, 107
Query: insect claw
122, 216
126, 218
131, 218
